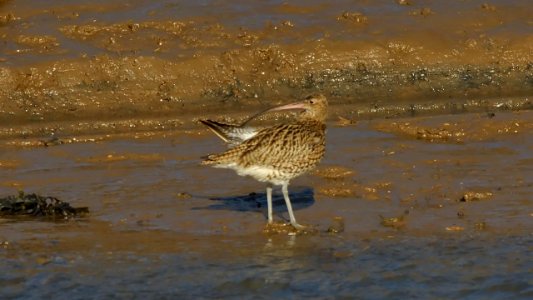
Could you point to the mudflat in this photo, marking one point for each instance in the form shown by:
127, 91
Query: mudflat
425, 190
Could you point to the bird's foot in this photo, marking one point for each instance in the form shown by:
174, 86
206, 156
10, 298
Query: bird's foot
281, 227
288, 228
298, 226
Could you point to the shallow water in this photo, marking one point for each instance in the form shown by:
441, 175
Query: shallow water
163, 226
319, 267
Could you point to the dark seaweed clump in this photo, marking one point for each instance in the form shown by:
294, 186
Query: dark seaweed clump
38, 206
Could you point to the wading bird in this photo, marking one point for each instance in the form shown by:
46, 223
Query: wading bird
276, 154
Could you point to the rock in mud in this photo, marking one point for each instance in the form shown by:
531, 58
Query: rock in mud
337, 225
454, 228
394, 222
475, 196
353, 17
333, 172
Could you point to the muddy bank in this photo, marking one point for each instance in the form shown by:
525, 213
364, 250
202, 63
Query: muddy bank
126, 60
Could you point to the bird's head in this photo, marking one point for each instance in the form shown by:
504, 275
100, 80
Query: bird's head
315, 107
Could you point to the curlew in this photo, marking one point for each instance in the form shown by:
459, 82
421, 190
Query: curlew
276, 154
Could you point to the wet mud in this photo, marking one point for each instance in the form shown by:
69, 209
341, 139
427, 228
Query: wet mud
425, 191
132, 60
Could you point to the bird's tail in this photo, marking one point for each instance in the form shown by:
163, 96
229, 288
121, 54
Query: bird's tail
208, 160
231, 134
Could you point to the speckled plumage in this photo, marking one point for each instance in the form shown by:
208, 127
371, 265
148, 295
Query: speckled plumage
279, 153
288, 150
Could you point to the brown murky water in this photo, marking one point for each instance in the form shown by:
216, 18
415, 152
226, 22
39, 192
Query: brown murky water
425, 191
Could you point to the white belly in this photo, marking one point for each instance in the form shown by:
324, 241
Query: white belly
260, 173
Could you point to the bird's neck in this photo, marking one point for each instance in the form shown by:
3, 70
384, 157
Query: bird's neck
312, 123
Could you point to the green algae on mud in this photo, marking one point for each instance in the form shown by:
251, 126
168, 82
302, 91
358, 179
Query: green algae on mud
37, 206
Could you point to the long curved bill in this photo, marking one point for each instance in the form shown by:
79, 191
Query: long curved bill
295, 105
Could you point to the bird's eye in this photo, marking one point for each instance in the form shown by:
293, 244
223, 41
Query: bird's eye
311, 101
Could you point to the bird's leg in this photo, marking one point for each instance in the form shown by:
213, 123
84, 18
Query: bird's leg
285, 191
269, 203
